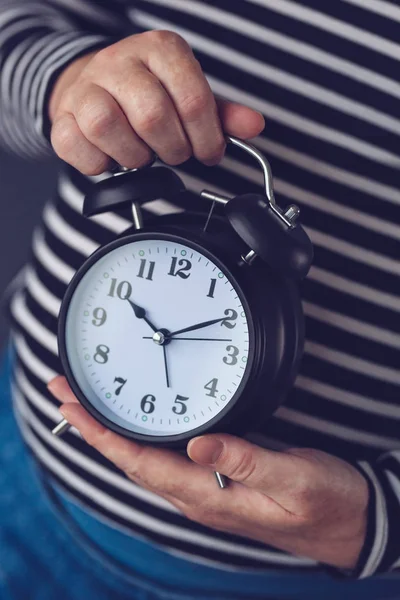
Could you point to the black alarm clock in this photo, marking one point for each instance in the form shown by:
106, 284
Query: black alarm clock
187, 323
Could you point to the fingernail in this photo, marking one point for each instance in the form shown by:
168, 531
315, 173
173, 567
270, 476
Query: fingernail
205, 450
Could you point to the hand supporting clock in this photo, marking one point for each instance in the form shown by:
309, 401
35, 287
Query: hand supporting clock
302, 501
140, 313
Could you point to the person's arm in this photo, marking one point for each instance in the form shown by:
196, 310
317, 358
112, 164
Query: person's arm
38, 40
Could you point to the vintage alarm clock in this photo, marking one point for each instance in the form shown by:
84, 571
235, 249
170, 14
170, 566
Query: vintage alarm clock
187, 323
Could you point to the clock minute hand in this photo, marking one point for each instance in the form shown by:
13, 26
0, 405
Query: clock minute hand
196, 326
140, 313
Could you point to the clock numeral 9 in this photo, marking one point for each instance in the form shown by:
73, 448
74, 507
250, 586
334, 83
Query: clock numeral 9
185, 265
100, 317
231, 315
124, 289
101, 355
182, 407
147, 404
150, 270
231, 359
211, 386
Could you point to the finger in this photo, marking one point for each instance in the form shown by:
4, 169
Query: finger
165, 472
276, 474
240, 121
72, 146
181, 75
103, 123
149, 110
60, 389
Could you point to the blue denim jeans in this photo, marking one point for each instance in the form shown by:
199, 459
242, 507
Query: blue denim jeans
53, 549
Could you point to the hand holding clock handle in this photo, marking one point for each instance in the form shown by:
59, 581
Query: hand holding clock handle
197, 326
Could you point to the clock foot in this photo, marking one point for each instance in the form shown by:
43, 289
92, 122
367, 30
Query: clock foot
61, 428
221, 479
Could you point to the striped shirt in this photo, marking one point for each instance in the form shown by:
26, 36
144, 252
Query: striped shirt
326, 75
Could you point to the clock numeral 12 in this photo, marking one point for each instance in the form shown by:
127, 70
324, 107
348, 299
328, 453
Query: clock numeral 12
142, 269
185, 265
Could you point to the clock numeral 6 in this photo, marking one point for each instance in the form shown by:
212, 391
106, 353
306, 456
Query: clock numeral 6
100, 317
147, 404
182, 407
231, 359
185, 265
101, 355
211, 386
124, 289
231, 315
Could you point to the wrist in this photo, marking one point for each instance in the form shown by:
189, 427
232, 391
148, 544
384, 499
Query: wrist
65, 80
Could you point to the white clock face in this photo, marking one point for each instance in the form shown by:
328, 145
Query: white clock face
125, 344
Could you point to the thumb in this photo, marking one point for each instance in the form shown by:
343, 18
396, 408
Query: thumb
274, 473
239, 120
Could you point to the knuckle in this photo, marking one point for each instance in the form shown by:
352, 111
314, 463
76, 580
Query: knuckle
64, 137
139, 160
165, 37
245, 466
178, 156
99, 119
193, 106
95, 168
213, 155
151, 120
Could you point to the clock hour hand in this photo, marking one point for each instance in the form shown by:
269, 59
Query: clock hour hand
196, 326
140, 313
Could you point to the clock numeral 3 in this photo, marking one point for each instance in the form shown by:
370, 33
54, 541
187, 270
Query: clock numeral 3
212, 288
211, 386
182, 407
185, 265
100, 317
231, 315
101, 355
119, 388
231, 359
124, 289
147, 404
150, 270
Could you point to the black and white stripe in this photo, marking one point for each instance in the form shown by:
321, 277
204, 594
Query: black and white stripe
326, 77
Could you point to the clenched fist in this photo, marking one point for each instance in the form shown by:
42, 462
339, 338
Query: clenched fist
144, 94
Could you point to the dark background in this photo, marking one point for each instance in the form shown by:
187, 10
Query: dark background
24, 188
